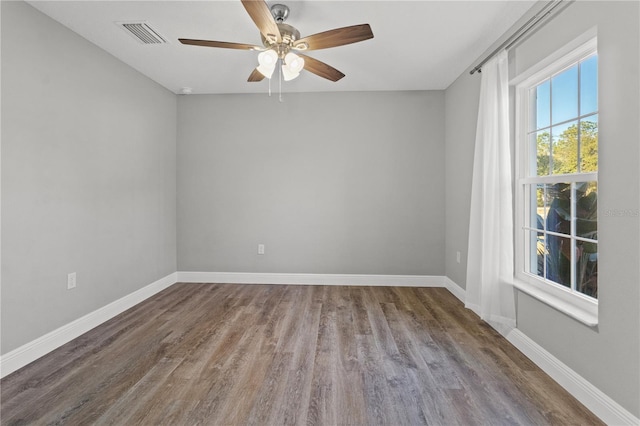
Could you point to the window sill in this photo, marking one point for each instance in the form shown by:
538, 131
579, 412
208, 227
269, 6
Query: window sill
584, 311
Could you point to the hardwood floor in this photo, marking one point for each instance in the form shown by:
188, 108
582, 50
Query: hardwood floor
217, 354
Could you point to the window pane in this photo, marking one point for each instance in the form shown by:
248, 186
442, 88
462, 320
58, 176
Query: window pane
564, 154
587, 268
564, 95
589, 144
561, 228
541, 141
537, 248
587, 210
558, 259
558, 203
540, 97
539, 215
589, 85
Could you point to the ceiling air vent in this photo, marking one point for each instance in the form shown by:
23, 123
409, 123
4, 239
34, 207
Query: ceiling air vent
142, 32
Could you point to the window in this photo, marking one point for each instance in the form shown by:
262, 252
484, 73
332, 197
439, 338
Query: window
557, 186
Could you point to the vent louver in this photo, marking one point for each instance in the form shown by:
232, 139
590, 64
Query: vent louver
142, 32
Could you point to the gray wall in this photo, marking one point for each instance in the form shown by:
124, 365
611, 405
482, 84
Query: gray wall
88, 177
607, 355
461, 116
330, 183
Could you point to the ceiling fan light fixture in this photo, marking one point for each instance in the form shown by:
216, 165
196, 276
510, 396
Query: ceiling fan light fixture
267, 60
293, 62
287, 74
266, 70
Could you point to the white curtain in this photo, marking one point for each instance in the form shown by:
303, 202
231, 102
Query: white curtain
489, 290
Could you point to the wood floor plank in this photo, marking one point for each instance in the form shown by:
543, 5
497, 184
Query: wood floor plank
297, 395
144, 392
379, 407
289, 355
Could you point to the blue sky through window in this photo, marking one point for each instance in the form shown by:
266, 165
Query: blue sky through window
564, 95
557, 99
589, 85
543, 101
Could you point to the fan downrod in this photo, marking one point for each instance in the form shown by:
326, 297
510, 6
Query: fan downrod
280, 12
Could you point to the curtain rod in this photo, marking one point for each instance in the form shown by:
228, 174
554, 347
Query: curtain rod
524, 29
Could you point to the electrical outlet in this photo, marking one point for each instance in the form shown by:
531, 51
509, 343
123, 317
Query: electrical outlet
458, 256
260, 248
71, 281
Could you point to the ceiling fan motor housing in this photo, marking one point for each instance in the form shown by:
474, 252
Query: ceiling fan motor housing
289, 37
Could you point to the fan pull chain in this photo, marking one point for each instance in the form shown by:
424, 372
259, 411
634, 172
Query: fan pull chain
280, 81
269, 87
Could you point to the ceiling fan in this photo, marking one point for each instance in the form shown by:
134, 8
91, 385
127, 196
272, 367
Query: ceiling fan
281, 41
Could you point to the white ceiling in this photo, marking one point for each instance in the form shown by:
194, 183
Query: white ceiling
417, 45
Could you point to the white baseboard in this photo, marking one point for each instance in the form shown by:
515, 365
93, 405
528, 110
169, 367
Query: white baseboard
312, 279
35, 349
455, 289
593, 398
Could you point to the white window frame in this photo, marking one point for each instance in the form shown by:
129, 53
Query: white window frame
574, 304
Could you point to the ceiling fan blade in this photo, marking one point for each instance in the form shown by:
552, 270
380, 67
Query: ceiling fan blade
255, 76
223, 44
321, 69
262, 17
337, 37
